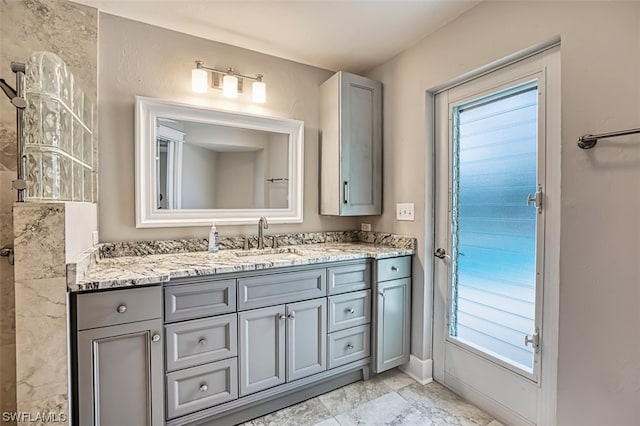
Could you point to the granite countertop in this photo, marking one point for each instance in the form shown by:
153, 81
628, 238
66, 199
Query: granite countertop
128, 271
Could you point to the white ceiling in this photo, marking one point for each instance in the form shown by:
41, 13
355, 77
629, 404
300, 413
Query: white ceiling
354, 35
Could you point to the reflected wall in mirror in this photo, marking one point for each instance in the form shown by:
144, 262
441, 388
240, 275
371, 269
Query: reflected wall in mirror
198, 165
195, 162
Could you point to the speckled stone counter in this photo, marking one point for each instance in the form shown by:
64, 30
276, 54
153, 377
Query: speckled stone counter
96, 271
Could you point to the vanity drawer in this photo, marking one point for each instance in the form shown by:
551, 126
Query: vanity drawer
349, 310
348, 345
201, 387
187, 301
196, 342
118, 307
349, 277
275, 289
393, 268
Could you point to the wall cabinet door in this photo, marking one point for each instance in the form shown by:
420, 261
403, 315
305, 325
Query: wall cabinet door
393, 308
120, 375
262, 348
351, 122
306, 338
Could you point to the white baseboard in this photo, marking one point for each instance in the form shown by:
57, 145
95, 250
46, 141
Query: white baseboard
419, 370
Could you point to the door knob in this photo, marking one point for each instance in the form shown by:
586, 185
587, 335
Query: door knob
291, 316
155, 338
281, 317
441, 253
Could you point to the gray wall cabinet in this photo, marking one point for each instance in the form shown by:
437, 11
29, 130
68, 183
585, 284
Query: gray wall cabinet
120, 368
351, 154
392, 313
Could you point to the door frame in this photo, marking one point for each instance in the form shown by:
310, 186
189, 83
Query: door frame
547, 387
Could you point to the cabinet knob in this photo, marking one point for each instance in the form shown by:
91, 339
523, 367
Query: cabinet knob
394, 268
349, 347
351, 311
204, 387
291, 316
121, 309
381, 293
202, 342
281, 317
155, 337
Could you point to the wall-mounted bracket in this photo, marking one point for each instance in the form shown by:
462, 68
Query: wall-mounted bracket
7, 251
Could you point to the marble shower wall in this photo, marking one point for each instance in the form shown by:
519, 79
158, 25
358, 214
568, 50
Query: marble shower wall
41, 308
70, 31
7, 305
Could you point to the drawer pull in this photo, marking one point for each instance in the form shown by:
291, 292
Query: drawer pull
349, 347
351, 311
202, 342
394, 268
155, 337
204, 387
282, 317
122, 309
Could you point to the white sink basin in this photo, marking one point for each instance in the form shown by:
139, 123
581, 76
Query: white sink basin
266, 254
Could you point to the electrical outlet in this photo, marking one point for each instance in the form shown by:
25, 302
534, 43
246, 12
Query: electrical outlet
365, 227
94, 237
404, 211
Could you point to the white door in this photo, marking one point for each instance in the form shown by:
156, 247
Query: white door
491, 139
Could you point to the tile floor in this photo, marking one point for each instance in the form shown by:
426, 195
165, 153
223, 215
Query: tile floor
391, 398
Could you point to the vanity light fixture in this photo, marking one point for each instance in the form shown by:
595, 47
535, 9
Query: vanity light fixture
259, 90
229, 81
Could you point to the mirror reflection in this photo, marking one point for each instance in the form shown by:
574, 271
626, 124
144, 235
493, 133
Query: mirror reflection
212, 166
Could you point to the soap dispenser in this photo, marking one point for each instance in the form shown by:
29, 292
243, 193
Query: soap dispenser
213, 239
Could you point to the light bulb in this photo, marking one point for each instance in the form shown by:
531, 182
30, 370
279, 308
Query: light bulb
199, 80
230, 86
259, 91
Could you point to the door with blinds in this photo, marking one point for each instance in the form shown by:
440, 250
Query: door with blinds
490, 222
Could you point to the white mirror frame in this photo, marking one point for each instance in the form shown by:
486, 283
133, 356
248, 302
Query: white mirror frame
148, 110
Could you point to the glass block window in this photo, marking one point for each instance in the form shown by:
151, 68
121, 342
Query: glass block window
58, 133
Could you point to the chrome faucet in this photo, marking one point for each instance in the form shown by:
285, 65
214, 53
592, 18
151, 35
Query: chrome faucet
262, 224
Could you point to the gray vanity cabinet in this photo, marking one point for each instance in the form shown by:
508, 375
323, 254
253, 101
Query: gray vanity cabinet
306, 338
282, 343
351, 153
392, 313
262, 346
120, 363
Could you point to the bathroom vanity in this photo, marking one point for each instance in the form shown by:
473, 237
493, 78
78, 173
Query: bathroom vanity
242, 341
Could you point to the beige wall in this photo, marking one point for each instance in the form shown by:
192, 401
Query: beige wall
139, 59
198, 177
599, 347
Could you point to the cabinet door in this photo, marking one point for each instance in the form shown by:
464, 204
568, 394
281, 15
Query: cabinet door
306, 338
361, 145
262, 348
120, 375
393, 307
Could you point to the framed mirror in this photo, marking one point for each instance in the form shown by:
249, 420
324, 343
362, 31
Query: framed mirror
198, 165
